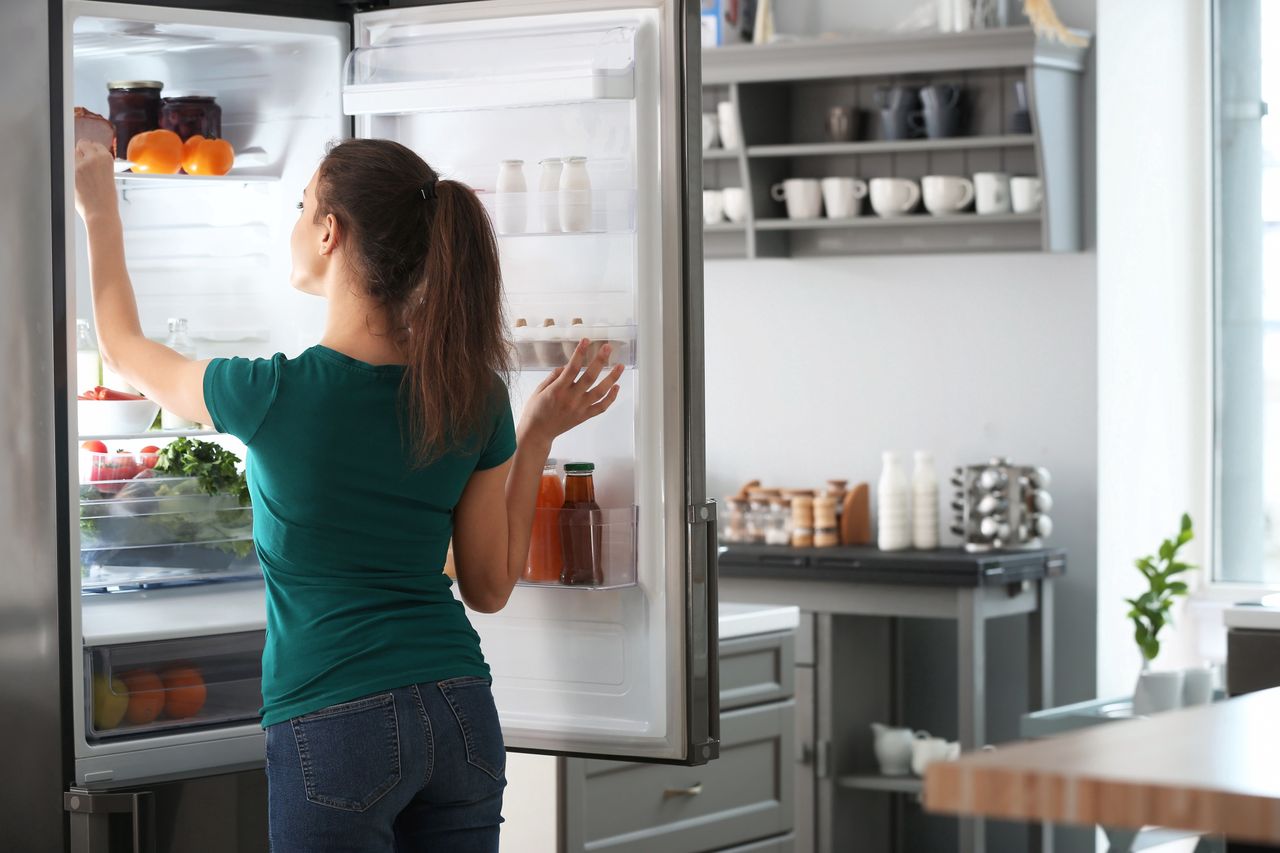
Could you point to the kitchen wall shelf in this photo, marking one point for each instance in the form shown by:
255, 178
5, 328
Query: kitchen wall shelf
782, 93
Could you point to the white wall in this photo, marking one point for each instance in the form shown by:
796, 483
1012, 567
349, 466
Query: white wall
1153, 280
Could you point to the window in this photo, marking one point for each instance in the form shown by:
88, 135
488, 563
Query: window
1247, 291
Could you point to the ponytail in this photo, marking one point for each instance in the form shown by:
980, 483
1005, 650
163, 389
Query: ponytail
426, 251
456, 342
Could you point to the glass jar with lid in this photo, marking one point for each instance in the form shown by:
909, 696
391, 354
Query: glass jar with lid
735, 527
777, 529
191, 115
133, 107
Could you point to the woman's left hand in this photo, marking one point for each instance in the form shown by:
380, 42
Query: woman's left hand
95, 180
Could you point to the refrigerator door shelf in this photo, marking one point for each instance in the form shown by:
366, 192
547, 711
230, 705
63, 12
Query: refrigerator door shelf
147, 688
483, 65
553, 214
535, 353
601, 546
131, 181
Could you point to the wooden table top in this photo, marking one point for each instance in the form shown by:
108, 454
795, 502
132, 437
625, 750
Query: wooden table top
1214, 768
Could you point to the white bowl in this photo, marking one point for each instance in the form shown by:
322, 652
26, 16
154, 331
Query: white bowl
115, 417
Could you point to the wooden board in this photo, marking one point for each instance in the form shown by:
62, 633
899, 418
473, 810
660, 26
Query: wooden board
1214, 769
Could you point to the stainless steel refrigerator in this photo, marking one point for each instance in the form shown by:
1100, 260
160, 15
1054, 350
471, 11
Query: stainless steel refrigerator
114, 590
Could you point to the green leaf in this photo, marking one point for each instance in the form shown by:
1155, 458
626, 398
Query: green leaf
1178, 568
1166, 550
1151, 649
1178, 588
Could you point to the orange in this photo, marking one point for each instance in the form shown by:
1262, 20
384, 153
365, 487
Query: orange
146, 696
185, 691
202, 156
157, 152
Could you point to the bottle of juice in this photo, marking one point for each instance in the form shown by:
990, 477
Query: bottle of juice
545, 557
580, 531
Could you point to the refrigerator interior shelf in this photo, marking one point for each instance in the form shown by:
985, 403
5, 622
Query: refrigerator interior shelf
157, 435
117, 579
490, 94
150, 687
173, 612
129, 180
582, 549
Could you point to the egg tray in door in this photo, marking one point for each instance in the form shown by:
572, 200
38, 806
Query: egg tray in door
1000, 506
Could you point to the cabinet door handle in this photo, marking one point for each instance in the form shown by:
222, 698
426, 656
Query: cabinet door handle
692, 791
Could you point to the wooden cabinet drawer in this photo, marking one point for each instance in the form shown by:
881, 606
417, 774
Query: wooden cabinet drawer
756, 670
744, 795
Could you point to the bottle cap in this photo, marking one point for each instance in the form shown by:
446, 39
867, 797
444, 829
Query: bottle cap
579, 467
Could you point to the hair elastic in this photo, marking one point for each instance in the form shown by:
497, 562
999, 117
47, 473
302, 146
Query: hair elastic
428, 189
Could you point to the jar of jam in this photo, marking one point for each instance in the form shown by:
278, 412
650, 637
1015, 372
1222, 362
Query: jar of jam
192, 115
133, 108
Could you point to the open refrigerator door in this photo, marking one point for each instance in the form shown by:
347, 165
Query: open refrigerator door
168, 628
567, 118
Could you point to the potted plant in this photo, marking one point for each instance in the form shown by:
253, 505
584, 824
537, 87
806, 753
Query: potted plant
1150, 613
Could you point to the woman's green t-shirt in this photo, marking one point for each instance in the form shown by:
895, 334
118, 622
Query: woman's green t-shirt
351, 535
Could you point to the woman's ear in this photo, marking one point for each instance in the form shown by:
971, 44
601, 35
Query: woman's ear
329, 237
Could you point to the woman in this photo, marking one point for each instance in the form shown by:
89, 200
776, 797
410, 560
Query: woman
367, 454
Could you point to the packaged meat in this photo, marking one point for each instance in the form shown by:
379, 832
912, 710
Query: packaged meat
95, 128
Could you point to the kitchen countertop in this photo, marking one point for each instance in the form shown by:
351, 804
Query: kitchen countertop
1210, 769
1261, 616
745, 620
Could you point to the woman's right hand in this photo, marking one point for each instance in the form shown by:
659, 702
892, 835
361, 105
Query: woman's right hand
570, 396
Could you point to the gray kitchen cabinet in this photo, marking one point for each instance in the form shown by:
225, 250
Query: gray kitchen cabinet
743, 801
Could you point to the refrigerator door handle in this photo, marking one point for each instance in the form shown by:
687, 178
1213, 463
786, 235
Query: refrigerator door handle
702, 521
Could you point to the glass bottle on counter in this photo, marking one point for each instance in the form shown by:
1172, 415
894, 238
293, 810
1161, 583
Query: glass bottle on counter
181, 344
580, 530
88, 362
546, 557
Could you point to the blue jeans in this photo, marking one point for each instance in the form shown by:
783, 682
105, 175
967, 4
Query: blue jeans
418, 768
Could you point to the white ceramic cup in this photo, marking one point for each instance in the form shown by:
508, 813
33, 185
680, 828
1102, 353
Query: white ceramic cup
843, 196
712, 206
1027, 194
710, 131
802, 195
925, 750
945, 194
735, 203
992, 192
894, 196
1158, 691
730, 138
1197, 686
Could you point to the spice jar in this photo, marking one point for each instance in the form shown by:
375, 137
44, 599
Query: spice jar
133, 107
778, 528
825, 531
735, 529
802, 521
192, 115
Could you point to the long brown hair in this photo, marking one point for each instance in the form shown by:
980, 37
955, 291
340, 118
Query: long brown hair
425, 250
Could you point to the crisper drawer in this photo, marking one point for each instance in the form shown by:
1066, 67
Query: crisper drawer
162, 530
745, 794
137, 689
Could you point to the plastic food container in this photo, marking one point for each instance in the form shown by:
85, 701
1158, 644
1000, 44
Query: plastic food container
115, 417
143, 531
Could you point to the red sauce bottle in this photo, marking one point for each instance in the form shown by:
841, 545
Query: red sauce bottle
580, 530
546, 557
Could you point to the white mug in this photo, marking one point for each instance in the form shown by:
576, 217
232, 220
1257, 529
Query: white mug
945, 194
729, 135
1027, 194
992, 191
712, 206
843, 196
925, 750
735, 203
802, 195
894, 196
710, 131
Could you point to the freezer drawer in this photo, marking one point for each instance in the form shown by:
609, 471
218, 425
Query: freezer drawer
744, 795
148, 688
